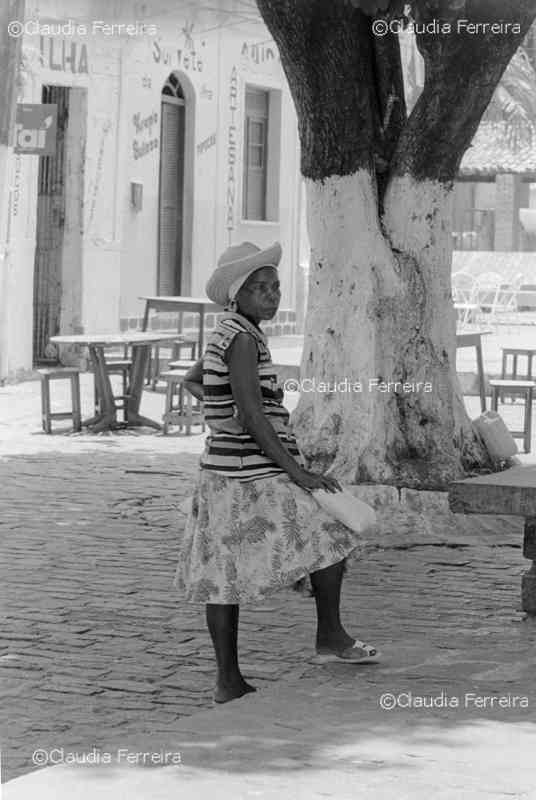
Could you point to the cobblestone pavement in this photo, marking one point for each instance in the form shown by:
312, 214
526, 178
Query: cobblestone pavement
96, 646
97, 649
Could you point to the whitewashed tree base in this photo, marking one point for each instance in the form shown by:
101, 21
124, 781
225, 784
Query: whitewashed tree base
380, 309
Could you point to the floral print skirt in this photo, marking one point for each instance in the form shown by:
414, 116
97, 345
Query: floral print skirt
246, 540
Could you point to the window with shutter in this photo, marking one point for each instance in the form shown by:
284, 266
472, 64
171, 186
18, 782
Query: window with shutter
255, 154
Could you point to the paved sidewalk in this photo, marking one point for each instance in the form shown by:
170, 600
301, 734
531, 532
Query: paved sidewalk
316, 740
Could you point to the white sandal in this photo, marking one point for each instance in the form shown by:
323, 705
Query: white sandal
371, 657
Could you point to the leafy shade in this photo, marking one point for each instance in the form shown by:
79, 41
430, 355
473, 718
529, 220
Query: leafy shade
514, 101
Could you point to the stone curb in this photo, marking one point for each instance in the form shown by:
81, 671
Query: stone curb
379, 495
411, 518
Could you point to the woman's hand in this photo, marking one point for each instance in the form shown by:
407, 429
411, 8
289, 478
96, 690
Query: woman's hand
279, 394
311, 481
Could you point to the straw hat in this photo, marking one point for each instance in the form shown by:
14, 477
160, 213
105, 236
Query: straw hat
234, 267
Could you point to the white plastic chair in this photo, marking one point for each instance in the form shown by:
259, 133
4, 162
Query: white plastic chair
463, 287
517, 281
494, 295
463, 294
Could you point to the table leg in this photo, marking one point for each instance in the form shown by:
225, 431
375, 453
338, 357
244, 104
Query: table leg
527, 426
503, 369
140, 356
480, 370
145, 321
201, 332
528, 580
144, 324
107, 417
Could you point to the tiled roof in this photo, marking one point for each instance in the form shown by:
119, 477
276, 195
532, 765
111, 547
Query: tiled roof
492, 152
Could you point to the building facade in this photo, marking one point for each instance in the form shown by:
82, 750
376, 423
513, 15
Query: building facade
174, 139
494, 202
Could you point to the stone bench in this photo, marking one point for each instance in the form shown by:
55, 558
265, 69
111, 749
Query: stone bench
512, 492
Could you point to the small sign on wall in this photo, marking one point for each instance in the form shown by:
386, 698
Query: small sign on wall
35, 128
136, 195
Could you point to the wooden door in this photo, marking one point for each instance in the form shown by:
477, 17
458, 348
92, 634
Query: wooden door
171, 210
49, 234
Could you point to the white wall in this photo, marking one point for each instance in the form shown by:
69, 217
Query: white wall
124, 76
85, 62
18, 285
223, 57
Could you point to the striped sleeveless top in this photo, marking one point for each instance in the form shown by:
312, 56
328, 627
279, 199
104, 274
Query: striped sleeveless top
229, 449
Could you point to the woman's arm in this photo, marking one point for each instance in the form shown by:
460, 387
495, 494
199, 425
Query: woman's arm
195, 373
193, 380
242, 361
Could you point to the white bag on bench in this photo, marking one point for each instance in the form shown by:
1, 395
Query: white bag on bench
498, 440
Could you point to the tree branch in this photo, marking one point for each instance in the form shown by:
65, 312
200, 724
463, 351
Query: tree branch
391, 102
462, 70
326, 52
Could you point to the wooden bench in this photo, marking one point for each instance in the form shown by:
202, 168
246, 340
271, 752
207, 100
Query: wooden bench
154, 368
181, 408
516, 388
511, 492
181, 366
48, 374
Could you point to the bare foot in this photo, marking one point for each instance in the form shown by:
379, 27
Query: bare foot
226, 692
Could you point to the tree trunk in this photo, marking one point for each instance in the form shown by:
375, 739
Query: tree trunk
380, 398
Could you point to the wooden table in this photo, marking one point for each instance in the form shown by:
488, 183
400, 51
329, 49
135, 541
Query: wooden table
141, 344
475, 340
510, 492
195, 305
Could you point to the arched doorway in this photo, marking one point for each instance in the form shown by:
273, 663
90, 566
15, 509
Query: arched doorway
176, 188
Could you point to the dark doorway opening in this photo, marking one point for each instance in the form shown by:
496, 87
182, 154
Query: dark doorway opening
50, 235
